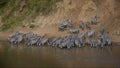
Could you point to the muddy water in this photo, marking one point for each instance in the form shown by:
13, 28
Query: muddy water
48, 57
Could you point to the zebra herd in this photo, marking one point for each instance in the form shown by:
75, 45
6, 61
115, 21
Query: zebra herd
75, 39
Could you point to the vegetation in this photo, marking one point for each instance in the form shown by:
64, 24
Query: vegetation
13, 12
31, 25
2, 3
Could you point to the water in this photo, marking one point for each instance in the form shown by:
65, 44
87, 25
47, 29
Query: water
49, 57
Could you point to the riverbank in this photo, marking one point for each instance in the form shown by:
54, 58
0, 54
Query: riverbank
51, 31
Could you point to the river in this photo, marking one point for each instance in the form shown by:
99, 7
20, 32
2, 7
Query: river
49, 57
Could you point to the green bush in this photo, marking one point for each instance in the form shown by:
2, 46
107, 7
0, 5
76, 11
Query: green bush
31, 25
32, 9
3, 3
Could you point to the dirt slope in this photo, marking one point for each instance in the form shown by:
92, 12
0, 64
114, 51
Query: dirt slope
108, 10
